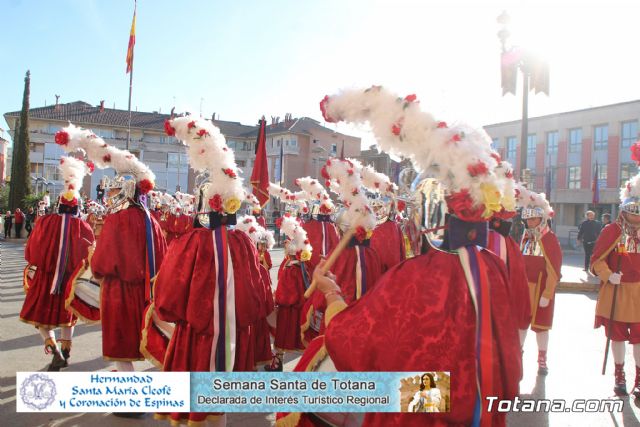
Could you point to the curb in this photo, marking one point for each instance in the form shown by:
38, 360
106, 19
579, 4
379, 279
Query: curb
578, 287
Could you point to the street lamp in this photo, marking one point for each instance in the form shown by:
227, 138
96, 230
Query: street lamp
515, 58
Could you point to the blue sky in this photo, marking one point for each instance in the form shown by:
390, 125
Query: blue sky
243, 59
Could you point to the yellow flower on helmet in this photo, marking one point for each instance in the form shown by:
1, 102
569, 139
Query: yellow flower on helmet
231, 205
305, 255
491, 198
69, 195
509, 203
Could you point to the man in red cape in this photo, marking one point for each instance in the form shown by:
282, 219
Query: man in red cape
543, 262
388, 242
58, 246
616, 262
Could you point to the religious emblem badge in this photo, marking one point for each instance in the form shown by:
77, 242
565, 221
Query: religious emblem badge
38, 391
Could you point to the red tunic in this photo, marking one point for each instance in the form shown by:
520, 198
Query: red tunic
262, 332
260, 219
265, 259
543, 274
177, 226
606, 260
388, 241
507, 250
120, 258
419, 315
323, 237
185, 290
345, 270
289, 299
40, 307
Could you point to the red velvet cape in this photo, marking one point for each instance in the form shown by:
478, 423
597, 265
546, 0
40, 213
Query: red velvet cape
388, 241
120, 258
40, 308
420, 316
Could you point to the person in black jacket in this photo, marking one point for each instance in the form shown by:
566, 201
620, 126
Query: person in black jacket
588, 233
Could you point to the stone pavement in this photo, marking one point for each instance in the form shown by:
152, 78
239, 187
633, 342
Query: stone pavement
575, 360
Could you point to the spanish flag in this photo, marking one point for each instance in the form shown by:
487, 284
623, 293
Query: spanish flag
132, 42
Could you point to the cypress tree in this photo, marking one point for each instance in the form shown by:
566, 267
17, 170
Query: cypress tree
21, 168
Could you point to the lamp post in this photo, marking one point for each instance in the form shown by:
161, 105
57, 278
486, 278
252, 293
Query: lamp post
515, 58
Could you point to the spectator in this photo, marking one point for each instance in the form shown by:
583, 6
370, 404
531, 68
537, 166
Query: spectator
588, 233
8, 221
47, 201
18, 219
30, 218
1, 223
100, 193
606, 219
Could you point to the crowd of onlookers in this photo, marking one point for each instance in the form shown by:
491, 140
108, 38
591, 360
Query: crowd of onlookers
16, 221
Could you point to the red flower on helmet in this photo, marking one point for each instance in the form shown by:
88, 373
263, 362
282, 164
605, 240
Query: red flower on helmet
62, 137
410, 98
477, 169
401, 205
72, 187
91, 166
168, 129
456, 138
215, 203
442, 125
461, 204
252, 230
323, 108
395, 129
324, 173
360, 234
106, 158
191, 124
496, 156
635, 152
145, 186
229, 172
203, 132
350, 172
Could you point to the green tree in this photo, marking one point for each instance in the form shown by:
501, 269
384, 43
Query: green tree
20, 169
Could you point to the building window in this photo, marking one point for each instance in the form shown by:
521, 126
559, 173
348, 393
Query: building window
574, 177
494, 143
294, 141
575, 140
629, 133
52, 173
334, 149
601, 137
602, 176
104, 133
512, 147
531, 145
177, 161
241, 163
627, 170
552, 142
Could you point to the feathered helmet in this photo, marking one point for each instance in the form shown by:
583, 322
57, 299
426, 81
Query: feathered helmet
252, 201
459, 155
73, 172
221, 191
255, 231
298, 245
132, 176
295, 202
315, 193
358, 214
96, 209
630, 192
186, 202
382, 191
534, 205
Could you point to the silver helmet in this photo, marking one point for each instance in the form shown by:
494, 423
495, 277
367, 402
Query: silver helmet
120, 192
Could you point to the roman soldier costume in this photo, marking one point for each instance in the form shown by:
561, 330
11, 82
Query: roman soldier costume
58, 247
210, 286
616, 262
543, 261
462, 321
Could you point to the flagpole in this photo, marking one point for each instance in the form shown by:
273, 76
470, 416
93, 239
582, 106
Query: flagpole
130, 91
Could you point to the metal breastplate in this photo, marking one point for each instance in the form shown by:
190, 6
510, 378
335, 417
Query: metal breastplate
530, 245
631, 240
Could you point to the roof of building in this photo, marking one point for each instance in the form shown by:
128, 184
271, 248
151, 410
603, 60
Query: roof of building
87, 115
547, 116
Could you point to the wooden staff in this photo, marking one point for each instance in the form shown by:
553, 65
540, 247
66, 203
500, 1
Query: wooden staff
342, 245
613, 310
